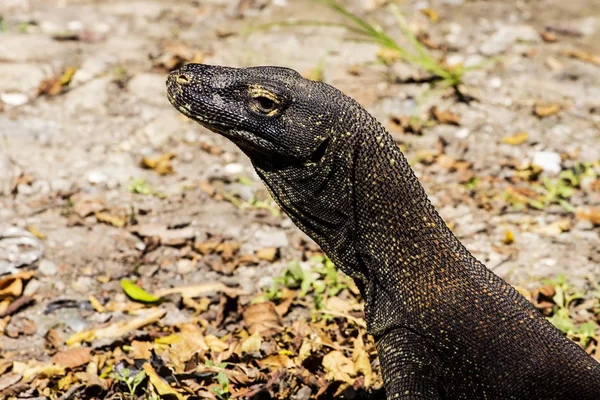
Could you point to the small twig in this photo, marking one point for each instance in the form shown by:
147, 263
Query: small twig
71, 392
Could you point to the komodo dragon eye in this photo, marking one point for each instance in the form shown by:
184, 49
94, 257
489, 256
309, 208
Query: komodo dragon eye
263, 101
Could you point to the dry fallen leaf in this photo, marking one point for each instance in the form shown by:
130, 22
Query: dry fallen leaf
445, 116
516, 139
509, 237
268, 254
591, 214
252, 343
118, 221
161, 164
548, 37
54, 85
262, 318
166, 235
431, 14
117, 329
583, 56
161, 386
214, 344
362, 364
338, 367
546, 110
72, 358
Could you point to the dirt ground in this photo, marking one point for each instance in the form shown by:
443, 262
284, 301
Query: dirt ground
83, 107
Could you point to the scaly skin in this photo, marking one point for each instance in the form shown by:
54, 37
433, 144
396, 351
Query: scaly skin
445, 326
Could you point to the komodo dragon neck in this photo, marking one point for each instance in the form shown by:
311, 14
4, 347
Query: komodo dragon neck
445, 326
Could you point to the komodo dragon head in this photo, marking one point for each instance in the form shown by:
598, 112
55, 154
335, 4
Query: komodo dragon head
266, 111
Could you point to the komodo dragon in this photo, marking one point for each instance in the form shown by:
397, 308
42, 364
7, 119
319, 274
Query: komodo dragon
445, 326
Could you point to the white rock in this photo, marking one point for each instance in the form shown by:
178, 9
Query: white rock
48, 268
549, 161
233, 169
462, 133
14, 99
96, 177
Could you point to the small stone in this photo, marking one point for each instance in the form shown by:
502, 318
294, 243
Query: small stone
233, 169
462, 133
271, 238
96, 177
14, 99
83, 284
61, 185
48, 268
185, 266
549, 161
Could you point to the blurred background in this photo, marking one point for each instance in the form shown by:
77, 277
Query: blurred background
105, 188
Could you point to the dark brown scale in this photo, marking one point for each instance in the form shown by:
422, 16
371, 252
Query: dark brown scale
446, 327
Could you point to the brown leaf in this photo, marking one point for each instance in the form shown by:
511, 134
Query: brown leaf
118, 221
338, 367
262, 318
591, 214
583, 56
362, 363
211, 149
445, 116
174, 55
546, 110
54, 85
166, 235
85, 204
268, 254
161, 386
161, 164
548, 37
72, 358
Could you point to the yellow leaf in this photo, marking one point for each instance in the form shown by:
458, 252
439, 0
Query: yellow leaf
111, 219
137, 293
509, 237
252, 344
65, 79
161, 164
161, 386
546, 110
85, 336
431, 14
338, 367
362, 364
516, 139
214, 344
173, 338
305, 350
96, 304
36, 233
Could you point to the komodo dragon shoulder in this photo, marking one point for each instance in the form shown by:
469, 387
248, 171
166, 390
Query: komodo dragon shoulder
445, 326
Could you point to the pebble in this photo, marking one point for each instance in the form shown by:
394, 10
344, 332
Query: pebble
233, 169
185, 266
48, 268
506, 36
14, 99
96, 177
271, 238
462, 133
548, 161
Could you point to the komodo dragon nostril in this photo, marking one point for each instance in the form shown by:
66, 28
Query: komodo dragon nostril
182, 79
